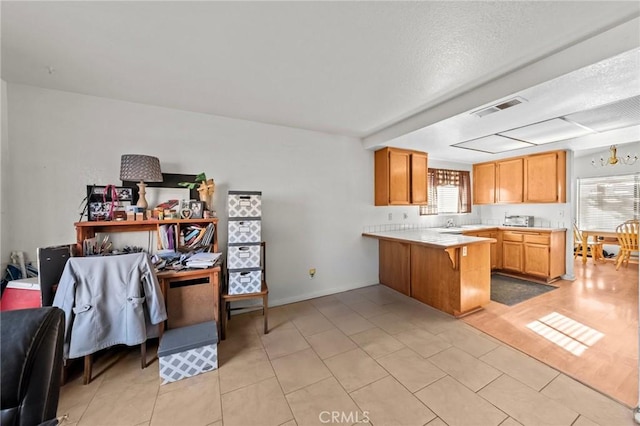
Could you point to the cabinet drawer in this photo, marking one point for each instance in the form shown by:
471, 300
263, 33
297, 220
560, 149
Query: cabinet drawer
510, 236
244, 256
537, 239
244, 231
245, 281
245, 204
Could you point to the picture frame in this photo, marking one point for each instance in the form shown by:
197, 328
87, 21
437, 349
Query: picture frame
99, 201
197, 209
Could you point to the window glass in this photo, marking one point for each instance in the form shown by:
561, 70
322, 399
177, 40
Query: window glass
605, 202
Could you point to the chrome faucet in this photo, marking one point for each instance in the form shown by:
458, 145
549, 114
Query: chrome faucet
450, 223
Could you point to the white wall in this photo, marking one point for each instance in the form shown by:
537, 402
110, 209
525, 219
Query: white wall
4, 155
317, 188
584, 169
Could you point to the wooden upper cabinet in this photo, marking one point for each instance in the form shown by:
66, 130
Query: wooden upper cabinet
509, 181
545, 178
400, 177
538, 178
419, 178
484, 183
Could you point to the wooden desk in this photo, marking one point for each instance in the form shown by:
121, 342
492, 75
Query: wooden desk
85, 230
595, 233
192, 307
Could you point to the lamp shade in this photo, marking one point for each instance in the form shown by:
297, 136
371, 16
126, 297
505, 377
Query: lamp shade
136, 167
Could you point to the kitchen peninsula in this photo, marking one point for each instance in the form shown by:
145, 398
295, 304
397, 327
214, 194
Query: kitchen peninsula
449, 272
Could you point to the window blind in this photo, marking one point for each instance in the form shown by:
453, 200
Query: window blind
606, 202
448, 196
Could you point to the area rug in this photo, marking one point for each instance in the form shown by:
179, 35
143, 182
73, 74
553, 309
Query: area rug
510, 291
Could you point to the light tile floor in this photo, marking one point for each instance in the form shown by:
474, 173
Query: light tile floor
366, 356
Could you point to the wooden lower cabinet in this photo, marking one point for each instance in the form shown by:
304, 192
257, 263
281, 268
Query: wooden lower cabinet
537, 253
537, 256
512, 256
394, 264
456, 284
496, 248
456, 280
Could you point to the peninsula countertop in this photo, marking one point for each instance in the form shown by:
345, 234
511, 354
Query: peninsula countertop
428, 238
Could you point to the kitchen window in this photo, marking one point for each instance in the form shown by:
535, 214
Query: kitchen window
449, 192
606, 202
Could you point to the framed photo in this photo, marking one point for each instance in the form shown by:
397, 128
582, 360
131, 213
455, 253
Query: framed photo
197, 209
101, 197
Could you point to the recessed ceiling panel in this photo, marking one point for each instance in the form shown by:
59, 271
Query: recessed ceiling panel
615, 115
493, 144
548, 131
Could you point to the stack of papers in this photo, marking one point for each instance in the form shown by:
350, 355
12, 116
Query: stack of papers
203, 260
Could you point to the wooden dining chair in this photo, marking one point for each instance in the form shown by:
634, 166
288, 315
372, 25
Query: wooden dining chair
593, 247
627, 233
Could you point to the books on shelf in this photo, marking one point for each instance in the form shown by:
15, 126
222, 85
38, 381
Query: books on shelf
198, 236
167, 235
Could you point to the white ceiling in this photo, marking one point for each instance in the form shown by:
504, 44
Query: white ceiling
351, 68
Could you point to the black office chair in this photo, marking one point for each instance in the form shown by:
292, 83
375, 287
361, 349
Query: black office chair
31, 343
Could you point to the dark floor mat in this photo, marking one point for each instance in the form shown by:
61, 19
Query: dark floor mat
510, 291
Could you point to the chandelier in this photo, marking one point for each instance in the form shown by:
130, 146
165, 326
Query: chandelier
614, 159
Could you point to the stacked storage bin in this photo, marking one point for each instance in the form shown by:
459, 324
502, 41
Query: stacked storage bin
243, 251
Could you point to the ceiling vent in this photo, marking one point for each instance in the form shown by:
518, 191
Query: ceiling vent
499, 107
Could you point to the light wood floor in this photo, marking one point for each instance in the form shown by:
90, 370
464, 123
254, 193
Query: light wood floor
601, 298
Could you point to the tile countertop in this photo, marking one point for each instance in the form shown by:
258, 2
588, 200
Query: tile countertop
507, 228
442, 238
428, 238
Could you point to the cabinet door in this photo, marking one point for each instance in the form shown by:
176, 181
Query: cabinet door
509, 181
484, 183
418, 178
536, 259
496, 251
544, 178
394, 258
512, 256
399, 177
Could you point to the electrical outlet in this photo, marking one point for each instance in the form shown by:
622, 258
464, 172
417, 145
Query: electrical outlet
390, 216
464, 250
312, 272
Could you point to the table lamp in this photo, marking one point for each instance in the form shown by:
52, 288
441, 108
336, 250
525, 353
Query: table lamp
136, 167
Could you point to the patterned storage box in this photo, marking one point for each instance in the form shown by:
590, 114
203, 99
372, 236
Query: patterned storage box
188, 351
243, 256
244, 231
245, 204
245, 281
